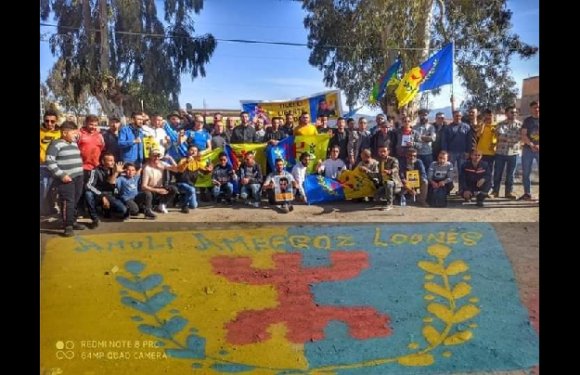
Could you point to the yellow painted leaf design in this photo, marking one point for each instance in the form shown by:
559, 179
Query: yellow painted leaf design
461, 290
441, 312
464, 313
458, 338
431, 334
431, 267
439, 251
437, 289
456, 267
425, 359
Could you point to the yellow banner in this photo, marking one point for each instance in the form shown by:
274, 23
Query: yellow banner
356, 184
325, 103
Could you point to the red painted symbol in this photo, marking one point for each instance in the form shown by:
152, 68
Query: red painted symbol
305, 320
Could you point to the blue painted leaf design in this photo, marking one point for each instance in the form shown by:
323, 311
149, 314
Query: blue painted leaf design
148, 283
154, 331
136, 304
196, 343
175, 324
160, 300
184, 353
129, 284
134, 266
226, 367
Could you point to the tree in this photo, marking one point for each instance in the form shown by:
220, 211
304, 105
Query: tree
111, 47
354, 41
63, 90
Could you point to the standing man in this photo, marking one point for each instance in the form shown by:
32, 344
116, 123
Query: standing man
506, 152
530, 137
425, 135
48, 133
457, 141
63, 160
131, 141
111, 137
244, 133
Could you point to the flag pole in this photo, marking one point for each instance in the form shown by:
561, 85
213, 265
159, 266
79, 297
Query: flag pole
452, 75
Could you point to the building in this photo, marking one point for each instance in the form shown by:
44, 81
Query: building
530, 93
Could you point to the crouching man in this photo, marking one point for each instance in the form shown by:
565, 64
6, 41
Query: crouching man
475, 179
280, 186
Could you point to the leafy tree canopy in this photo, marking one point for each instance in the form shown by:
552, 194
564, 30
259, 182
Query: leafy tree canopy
354, 41
120, 49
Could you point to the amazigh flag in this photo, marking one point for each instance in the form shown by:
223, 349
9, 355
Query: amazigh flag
320, 189
208, 158
315, 145
434, 72
356, 184
283, 150
239, 151
390, 78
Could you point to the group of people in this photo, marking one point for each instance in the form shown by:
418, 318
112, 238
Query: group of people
132, 168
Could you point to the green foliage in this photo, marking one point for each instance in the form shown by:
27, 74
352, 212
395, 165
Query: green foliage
354, 41
120, 49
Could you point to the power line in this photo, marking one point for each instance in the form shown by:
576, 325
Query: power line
248, 41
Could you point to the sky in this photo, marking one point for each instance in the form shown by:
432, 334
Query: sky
239, 71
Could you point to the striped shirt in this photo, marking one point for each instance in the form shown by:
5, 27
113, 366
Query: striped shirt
64, 159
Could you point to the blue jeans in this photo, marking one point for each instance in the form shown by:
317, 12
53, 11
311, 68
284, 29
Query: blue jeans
528, 157
250, 191
188, 195
427, 159
501, 161
227, 189
454, 157
45, 185
116, 204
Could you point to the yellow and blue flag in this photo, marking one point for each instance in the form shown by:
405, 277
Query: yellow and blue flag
390, 78
434, 72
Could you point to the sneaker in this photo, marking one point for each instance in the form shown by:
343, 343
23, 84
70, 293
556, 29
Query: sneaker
479, 203
94, 224
511, 196
78, 226
68, 231
185, 209
388, 207
256, 204
162, 209
285, 208
525, 197
494, 195
290, 207
149, 214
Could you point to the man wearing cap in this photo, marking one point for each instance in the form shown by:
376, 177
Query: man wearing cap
63, 160
153, 181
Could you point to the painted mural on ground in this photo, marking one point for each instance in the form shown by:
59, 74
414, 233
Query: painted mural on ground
368, 299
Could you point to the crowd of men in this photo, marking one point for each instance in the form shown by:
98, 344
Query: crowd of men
112, 173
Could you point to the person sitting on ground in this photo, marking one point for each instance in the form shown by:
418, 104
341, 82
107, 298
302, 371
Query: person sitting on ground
223, 177
440, 176
154, 182
299, 172
280, 186
412, 163
331, 167
476, 178
388, 178
128, 192
100, 189
251, 180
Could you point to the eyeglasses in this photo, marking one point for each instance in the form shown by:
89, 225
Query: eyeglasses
50, 121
